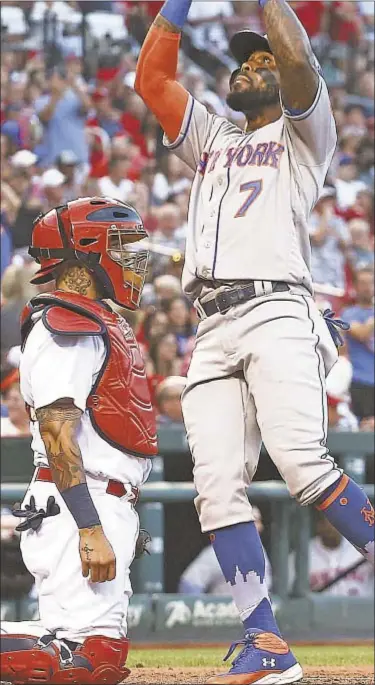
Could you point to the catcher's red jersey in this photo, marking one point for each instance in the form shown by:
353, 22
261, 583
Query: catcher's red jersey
119, 403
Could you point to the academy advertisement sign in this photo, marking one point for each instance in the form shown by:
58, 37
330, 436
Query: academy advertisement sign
181, 617
201, 613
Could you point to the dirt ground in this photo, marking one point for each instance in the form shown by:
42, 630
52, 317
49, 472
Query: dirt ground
313, 676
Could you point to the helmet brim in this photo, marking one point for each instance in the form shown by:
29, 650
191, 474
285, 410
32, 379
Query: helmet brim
245, 42
44, 275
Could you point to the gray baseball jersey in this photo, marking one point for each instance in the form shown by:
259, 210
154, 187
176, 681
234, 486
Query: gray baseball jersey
252, 194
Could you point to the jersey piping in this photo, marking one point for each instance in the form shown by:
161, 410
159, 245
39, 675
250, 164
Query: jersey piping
183, 134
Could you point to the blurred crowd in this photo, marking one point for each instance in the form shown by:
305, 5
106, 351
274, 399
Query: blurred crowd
72, 125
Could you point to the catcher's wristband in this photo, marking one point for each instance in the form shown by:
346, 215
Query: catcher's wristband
82, 508
176, 11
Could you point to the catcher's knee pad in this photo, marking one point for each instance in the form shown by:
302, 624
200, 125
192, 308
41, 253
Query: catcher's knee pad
25, 659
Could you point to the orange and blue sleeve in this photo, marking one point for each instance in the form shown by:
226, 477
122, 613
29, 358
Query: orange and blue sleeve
156, 80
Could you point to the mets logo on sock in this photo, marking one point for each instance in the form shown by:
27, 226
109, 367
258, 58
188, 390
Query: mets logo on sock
269, 662
368, 514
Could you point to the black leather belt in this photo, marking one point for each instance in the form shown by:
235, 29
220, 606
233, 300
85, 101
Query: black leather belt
226, 299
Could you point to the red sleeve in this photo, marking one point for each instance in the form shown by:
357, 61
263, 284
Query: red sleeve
155, 80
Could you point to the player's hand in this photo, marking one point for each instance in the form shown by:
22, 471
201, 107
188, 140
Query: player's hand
97, 556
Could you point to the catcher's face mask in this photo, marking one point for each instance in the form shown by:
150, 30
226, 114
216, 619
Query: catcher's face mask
129, 250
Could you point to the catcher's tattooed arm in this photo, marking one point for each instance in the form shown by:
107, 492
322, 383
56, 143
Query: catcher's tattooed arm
299, 80
58, 425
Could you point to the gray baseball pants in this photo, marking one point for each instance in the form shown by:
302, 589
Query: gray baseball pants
258, 373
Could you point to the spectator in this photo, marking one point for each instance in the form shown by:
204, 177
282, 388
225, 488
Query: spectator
16, 290
62, 111
329, 238
364, 206
166, 287
17, 422
207, 21
313, 17
347, 183
12, 125
204, 575
340, 415
140, 197
178, 312
365, 159
67, 164
246, 13
168, 400
168, 233
103, 114
346, 23
164, 359
360, 254
366, 85
116, 184
329, 555
53, 186
360, 341
155, 325
26, 160
367, 425
355, 117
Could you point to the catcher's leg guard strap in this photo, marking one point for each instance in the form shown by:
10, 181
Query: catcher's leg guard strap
25, 659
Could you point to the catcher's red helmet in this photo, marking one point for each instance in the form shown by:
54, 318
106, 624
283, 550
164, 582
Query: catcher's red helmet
106, 235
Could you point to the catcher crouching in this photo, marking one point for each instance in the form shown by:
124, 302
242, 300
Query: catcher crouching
93, 427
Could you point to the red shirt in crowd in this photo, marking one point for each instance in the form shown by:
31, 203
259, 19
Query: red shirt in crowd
310, 14
345, 28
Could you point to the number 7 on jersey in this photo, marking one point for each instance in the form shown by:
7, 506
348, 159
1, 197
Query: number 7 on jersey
254, 188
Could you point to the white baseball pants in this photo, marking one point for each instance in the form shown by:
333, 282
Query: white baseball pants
70, 605
258, 373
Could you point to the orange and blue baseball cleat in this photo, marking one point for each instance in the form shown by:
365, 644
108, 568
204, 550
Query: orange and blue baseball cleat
264, 659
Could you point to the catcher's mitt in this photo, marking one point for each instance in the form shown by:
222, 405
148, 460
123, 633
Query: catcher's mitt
141, 546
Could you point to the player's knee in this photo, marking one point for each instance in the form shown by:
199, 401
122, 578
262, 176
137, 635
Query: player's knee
216, 512
306, 472
311, 492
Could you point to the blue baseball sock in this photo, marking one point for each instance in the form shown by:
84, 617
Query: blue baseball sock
176, 11
240, 554
349, 510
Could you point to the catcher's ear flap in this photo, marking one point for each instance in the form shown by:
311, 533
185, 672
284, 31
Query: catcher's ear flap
233, 76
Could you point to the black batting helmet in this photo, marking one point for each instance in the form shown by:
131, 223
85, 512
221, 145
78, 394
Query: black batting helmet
245, 42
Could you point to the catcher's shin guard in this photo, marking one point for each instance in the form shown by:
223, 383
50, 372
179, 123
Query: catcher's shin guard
25, 659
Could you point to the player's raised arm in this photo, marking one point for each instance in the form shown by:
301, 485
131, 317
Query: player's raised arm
157, 67
58, 425
304, 95
295, 60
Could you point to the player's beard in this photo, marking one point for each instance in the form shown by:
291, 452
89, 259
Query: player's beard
252, 102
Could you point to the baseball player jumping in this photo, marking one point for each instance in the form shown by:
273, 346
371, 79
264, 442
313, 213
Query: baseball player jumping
83, 379
263, 349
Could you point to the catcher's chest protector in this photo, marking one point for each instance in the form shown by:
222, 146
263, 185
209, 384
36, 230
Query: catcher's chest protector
119, 403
